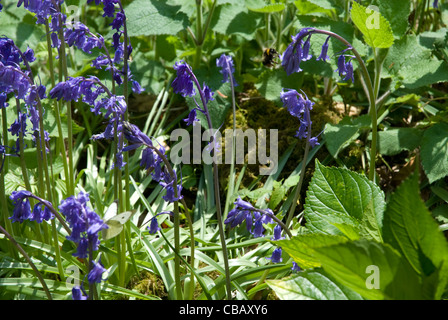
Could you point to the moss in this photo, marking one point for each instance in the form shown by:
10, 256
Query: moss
149, 284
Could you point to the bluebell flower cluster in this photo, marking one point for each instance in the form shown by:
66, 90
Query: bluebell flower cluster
113, 9
299, 50
84, 222
153, 159
255, 220
93, 92
47, 10
22, 208
299, 106
184, 85
14, 80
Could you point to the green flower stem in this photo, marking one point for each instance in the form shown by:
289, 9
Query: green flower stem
176, 222
217, 195
4, 206
64, 73
231, 185
25, 255
127, 197
371, 97
60, 140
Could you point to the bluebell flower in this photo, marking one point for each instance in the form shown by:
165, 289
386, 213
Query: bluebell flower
80, 36
153, 226
323, 54
295, 267
295, 53
277, 233
192, 117
84, 222
77, 294
41, 212
29, 55
19, 125
299, 106
22, 207
96, 274
9, 54
276, 255
306, 49
183, 83
255, 218
227, 68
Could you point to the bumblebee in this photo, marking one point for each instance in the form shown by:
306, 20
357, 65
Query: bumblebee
269, 55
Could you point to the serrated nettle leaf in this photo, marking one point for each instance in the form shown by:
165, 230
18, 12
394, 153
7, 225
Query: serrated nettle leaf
411, 230
373, 25
397, 13
311, 285
374, 270
338, 196
151, 17
434, 151
413, 65
302, 247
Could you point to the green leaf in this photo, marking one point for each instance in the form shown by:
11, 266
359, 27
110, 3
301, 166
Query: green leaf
339, 196
374, 270
434, 152
410, 229
261, 7
395, 140
311, 285
397, 13
152, 17
412, 65
271, 82
302, 247
339, 136
373, 25
235, 18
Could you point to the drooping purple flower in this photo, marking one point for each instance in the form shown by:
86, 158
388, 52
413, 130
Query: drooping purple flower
296, 52
19, 125
276, 255
153, 226
96, 274
227, 68
192, 118
84, 222
295, 267
168, 185
277, 233
243, 204
341, 65
306, 49
22, 207
299, 106
40, 213
323, 54
183, 83
77, 294
80, 36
